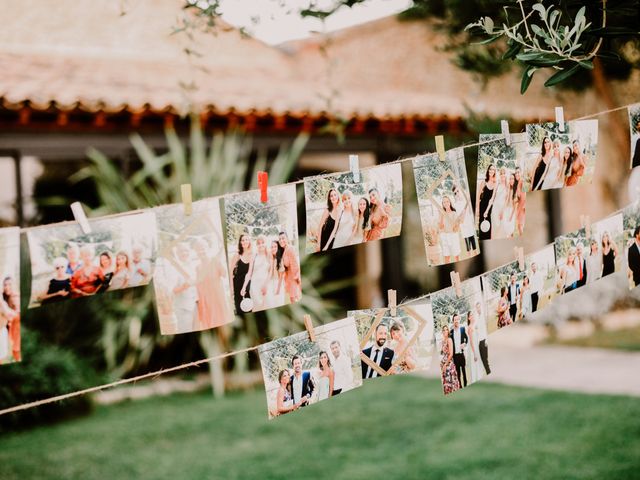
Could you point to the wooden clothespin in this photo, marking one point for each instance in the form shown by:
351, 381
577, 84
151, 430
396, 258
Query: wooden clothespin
519, 251
354, 166
560, 118
504, 127
308, 324
391, 296
455, 282
185, 191
263, 184
585, 222
440, 147
80, 217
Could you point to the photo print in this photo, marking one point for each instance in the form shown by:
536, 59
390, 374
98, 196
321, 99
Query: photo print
298, 372
342, 212
507, 295
542, 279
634, 126
397, 344
118, 253
446, 212
460, 327
191, 280
500, 195
558, 159
262, 249
604, 254
571, 250
631, 224
10, 302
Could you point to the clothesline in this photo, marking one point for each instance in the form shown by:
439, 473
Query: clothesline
301, 181
196, 363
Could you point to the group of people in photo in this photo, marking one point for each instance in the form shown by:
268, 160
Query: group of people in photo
501, 203
9, 322
519, 298
464, 355
455, 225
265, 273
193, 280
347, 221
390, 352
580, 269
81, 274
298, 388
558, 165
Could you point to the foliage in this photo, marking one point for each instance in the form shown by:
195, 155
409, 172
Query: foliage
131, 338
631, 218
45, 371
568, 240
429, 169
486, 431
634, 117
446, 303
501, 276
496, 153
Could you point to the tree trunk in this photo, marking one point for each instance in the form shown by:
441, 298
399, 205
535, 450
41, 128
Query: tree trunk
210, 343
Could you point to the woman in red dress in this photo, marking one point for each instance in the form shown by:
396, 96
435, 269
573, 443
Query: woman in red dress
88, 278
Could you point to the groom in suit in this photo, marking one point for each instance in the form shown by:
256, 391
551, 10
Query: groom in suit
633, 256
460, 340
513, 290
301, 382
378, 354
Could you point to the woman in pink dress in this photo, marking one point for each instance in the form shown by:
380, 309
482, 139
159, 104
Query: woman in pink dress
213, 308
292, 280
520, 198
450, 381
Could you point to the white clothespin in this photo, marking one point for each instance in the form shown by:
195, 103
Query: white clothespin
440, 147
80, 217
391, 296
354, 166
519, 251
185, 191
504, 127
560, 118
308, 324
455, 282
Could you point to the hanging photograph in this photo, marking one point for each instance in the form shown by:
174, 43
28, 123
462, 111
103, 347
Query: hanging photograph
460, 327
605, 251
500, 195
191, 280
542, 281
631, 224
571, 250
506, 295
262, 249
397, 344
118, 253
298, 372
10, 303
634, 126
342, 211
446, 212
557, 159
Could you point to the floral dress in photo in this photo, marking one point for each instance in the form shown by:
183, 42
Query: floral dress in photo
450, 382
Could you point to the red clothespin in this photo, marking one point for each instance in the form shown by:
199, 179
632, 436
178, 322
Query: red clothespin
263, 183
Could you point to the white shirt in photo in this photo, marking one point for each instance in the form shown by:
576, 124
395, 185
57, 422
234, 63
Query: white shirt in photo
481, 328
137, 278
457, 336
297, 388
343, 374
535, 282
513, 293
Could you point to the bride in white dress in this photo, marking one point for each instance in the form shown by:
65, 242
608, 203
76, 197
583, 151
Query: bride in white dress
473, 354
260, 275
509, 219
499, 204
554, 177
346, 222
325, 376
275, 287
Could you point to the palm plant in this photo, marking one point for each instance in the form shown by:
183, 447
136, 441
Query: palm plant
131, 335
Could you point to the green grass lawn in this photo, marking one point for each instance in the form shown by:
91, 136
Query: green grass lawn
398, 427
625, 339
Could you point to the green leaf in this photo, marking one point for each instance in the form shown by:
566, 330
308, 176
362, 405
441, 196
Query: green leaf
512, 51
538, 31
588, 64
562, 75
538, 7
527, 76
